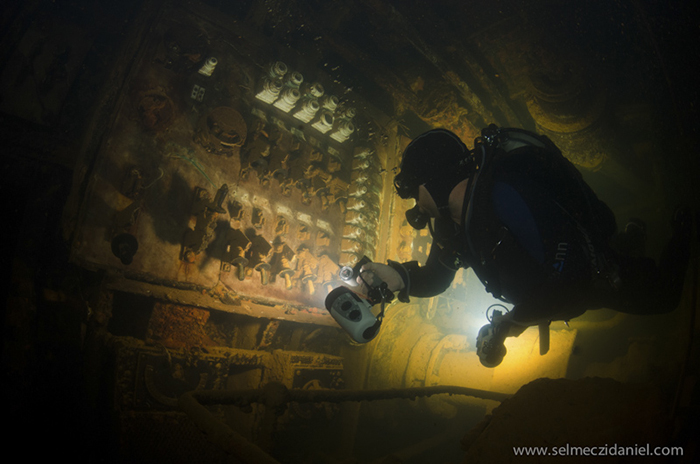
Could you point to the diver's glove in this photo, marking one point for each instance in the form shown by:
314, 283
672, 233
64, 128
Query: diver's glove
394, 274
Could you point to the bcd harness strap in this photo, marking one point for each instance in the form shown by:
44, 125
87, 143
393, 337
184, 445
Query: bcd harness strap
484, 232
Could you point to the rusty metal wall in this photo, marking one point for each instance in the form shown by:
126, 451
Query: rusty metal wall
233, 168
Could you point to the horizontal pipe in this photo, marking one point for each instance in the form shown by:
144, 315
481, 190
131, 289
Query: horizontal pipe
277, 396
336, 396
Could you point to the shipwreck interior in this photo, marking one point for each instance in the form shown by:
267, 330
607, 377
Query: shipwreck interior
184, 180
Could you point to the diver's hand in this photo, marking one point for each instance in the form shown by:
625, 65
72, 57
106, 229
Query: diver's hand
383, 272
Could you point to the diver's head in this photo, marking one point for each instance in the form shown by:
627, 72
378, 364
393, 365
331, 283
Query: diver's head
435, 161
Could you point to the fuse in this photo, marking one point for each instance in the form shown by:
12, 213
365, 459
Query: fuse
324, 122
306, 110
289, 97
270, 90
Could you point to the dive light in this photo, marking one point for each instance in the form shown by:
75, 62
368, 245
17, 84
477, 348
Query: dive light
489, 347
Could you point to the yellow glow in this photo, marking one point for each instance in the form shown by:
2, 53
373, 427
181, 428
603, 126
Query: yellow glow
523, 363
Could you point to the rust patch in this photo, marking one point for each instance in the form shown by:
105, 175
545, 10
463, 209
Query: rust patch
156, 110
176, 326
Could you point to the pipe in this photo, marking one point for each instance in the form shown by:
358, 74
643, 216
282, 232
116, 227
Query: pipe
274, 394
336, 396
276, 397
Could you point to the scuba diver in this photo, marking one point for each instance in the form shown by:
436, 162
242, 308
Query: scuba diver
517, 212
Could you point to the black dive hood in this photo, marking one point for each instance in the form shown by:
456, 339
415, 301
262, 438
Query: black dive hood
437, 159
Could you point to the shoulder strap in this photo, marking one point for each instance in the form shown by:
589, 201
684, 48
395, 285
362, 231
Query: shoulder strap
498, 150
517, 150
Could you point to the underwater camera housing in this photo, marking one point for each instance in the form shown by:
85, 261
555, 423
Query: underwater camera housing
353, 312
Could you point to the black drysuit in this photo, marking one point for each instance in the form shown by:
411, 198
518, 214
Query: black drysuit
538, 237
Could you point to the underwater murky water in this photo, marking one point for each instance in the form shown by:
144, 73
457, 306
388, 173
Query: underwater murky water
243, 152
